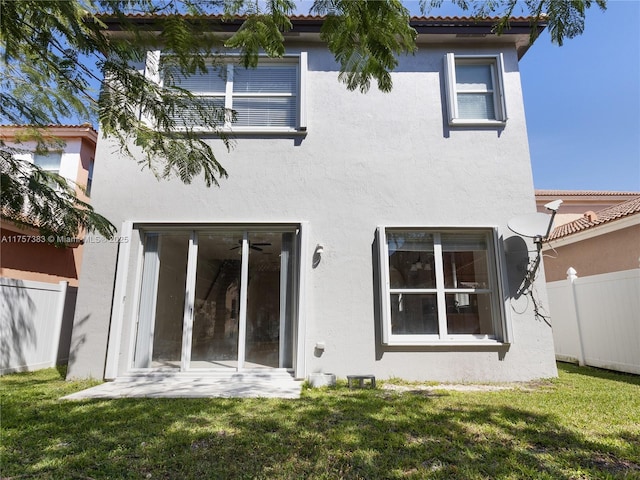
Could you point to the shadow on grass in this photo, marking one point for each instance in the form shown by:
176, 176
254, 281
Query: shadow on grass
600, 373
337, 433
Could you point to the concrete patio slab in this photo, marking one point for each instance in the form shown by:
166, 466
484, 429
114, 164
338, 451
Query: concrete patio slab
237, 385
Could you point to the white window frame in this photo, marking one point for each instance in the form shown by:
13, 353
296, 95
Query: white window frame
300, 60
501, 333
90, 177
120, 355
496, 62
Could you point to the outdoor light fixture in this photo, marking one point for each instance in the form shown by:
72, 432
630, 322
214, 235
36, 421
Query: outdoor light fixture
317, 255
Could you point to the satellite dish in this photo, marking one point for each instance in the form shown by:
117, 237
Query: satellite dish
534, 225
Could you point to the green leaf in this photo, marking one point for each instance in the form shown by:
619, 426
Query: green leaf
366, 39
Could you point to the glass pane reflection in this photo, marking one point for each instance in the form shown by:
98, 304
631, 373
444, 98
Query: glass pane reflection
411, 259
414, 314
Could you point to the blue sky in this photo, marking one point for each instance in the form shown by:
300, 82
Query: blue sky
583, 104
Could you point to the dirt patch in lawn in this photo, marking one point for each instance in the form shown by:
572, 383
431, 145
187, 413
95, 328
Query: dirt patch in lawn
465, 387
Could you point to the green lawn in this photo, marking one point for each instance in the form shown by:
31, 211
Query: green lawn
586, 424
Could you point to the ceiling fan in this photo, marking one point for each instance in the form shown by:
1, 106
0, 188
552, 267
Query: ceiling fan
253, 246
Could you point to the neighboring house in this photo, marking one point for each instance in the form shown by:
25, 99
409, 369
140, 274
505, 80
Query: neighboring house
356, 233
576, 203
38, 281
30, 260
592, 268
599, 240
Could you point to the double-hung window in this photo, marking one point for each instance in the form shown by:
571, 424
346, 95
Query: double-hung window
266, 98
439, 286
475, 91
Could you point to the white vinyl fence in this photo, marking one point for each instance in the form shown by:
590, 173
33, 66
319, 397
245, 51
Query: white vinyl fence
596, 319
31, 324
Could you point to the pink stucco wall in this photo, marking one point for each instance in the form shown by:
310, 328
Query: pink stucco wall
610, 252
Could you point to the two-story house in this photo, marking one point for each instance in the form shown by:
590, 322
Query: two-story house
356, 233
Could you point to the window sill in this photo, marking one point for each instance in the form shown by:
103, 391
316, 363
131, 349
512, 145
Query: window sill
266, 131
477, 123
251, 131
446, 343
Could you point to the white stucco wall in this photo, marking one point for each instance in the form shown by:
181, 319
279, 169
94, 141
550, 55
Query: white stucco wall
367, 160
69, 157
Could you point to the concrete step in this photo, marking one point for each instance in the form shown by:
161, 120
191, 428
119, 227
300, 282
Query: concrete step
228, 375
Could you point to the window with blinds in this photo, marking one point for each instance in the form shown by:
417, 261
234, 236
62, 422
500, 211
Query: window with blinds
474, 87
475, 93
263, 98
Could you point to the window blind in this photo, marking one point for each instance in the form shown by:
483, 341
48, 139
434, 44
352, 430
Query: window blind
265, 79
456, 242
476, 105
265, 111
473, 77
213, 81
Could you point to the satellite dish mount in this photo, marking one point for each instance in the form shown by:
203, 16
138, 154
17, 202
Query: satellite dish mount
535, 225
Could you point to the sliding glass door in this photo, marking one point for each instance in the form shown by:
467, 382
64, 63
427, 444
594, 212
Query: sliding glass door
269, 306
217, 299
162, 301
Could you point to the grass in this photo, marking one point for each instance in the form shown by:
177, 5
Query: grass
585, 424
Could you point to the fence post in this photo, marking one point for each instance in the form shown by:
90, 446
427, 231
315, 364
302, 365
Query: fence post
62, 296
572, 276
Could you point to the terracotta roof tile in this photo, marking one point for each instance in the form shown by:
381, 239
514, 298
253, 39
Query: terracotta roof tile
583, 193
470, 19
606, 215
216, 16
83, 126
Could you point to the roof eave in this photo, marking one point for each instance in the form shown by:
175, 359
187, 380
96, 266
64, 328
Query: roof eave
58, 131
454, 29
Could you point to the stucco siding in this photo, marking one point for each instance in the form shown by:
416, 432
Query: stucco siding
610, 252
367, 160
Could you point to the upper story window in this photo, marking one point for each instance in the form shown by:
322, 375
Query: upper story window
266, 98
90, 177
439, 286
49, 162
475, 92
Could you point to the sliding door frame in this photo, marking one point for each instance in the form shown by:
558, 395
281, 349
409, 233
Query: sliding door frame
296, 290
